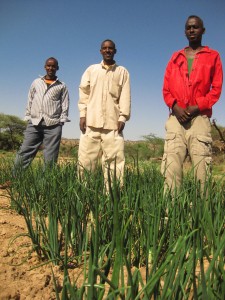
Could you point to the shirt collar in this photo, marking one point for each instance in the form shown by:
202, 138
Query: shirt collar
204, 49
182, 52
107, 67
43, 78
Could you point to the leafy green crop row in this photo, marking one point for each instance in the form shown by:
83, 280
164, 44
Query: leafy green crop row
113, 236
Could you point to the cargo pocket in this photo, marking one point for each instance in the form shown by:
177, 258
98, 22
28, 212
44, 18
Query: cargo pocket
163, 164
171, 143
202, 145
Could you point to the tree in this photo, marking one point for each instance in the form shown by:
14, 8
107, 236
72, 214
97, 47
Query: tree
156, 143
11, 131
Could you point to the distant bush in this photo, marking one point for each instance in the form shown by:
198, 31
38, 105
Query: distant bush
11, 132
149, 148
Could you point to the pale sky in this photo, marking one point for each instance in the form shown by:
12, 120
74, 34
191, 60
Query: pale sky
146, 33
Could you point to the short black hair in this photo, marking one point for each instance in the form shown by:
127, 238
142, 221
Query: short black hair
195, 17
108, 40
52, 58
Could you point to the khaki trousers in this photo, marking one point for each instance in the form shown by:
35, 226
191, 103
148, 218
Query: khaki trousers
193, 138
107, 145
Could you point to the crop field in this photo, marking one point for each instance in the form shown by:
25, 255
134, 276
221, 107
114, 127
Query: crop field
122, 242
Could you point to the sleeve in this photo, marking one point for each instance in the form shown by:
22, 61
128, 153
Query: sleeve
84, 92
125, 99
207, 101
31, 93
65, 105
168, 97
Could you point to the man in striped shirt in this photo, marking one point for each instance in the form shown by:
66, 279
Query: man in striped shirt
46, 112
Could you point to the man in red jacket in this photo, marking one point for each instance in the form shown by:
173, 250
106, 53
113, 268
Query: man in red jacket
192, 85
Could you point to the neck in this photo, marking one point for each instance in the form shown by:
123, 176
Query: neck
195, 46
50, 77
109, 63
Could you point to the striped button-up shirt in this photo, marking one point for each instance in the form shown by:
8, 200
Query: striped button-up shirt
48, 103
105, 96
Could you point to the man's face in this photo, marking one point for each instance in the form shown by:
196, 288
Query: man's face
51, 68
108, 51
194, 30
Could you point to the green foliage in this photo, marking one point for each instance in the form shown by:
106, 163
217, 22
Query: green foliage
156, 143
137, 151
68, 151
11, 131
151, 147
112, 236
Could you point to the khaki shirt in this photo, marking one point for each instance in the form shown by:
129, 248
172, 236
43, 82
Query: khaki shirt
105, 96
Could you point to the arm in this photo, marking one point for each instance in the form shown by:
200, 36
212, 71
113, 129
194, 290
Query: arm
124, 102
84, 92
216, 81
65, 105
169, 99
29, 102
182, 114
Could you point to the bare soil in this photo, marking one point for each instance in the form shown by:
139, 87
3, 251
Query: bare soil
21, 276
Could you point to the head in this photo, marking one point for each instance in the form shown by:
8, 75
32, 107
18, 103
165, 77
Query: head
194, 29
108, 50
51, 67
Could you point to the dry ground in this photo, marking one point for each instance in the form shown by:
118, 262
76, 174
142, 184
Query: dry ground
18, 277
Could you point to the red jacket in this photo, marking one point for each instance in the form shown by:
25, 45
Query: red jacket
204, 86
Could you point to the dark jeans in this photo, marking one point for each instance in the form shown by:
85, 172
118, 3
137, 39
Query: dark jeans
34, 137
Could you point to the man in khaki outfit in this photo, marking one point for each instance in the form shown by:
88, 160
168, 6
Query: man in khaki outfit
192, 85
104, 105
